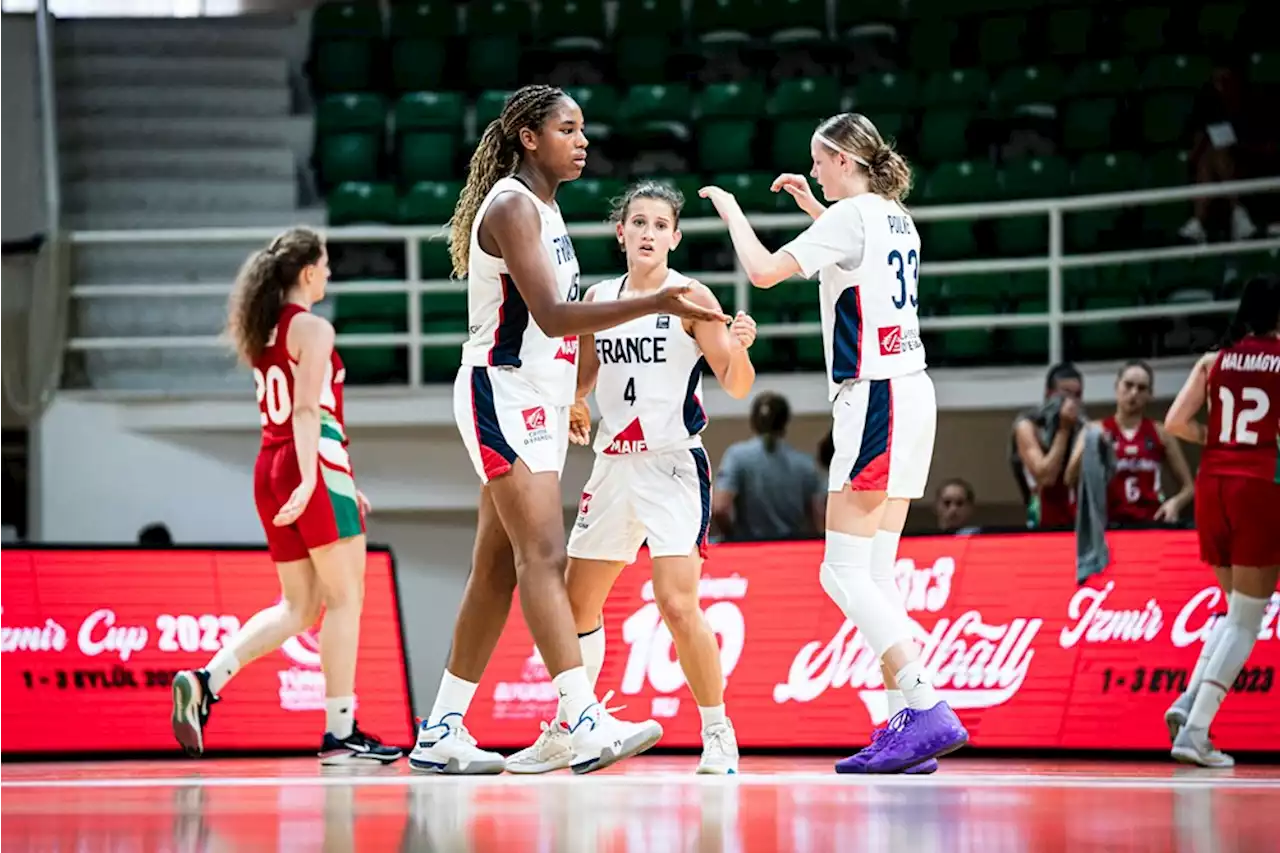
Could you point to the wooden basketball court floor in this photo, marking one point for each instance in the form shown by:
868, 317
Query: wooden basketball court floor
647, 805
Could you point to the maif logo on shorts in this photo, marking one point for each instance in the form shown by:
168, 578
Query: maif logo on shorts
535, 425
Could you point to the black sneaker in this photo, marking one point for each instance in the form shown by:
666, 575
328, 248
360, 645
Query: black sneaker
356, 748
192, 702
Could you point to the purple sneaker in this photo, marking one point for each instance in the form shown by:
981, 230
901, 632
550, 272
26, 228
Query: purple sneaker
920, 736
856, 763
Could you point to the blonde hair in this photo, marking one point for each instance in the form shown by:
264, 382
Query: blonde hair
496, 157
854, 134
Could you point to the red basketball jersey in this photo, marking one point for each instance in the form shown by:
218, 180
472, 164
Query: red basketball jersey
273, 379
1244, 411
1134, 491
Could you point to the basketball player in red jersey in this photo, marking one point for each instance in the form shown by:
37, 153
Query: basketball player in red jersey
315, 535
1237, 502
1141, 448
1042, 442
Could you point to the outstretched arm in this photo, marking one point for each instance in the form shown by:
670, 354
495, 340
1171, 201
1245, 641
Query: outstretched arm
724, 348
764, 268
1181, 420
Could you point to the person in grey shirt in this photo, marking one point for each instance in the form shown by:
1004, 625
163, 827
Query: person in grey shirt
766, 489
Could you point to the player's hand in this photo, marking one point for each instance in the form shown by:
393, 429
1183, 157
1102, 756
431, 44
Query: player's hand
723, 200
580, 423
743, 328
363, 503
1069, 412
672, 300
1168, 512
297, 503
798, 188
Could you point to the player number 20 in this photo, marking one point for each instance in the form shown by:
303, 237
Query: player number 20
1254, 408
273, 387
912, 260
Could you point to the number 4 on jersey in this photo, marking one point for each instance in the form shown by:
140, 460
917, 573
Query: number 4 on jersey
629, 393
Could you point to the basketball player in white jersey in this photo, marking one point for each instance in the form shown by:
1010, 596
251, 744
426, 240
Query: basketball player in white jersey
651, 479
511, 401
866, 252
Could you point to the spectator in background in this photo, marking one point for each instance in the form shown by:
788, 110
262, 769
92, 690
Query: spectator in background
1228, 142
155, 535
1041, 444
765, 488
954, 504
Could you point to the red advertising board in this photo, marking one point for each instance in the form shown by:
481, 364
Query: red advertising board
96, 635
1025, 656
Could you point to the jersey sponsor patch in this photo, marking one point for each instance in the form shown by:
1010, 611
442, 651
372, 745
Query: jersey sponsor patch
568, 349
630, 440
664, 321
535, 425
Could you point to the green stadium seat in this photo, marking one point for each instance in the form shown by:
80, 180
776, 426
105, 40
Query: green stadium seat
361, 202
960, 289
1264, 68
599, 104
427, 156
783, 15
449, 307
440, 364
712, 16
960, 182
500, 17
433, 259
389, 308
732, 100
429, 202
1022, 236
808, 96
1001, 40
968, 346
355, 111
1028, 288
343, 65
1027, 344
348, 157
887, 90
1219, 23
1035, 177
1086, 124
423, 19
588, 199
727, 144
931, 43
1160, 222
1167, 168
417, 64
1102, 339
1177, 71
650, 17
339, 19
1165, 117
889, 124
791, 144
944, 134
1029, 85
750, 188
1108, 172
561, 20
641, 58
493, 61
598, 255
430, 111
489, 107
957, 87
1067, 32
948, 240
370, 365
1142, 30
671, 102
1097, 77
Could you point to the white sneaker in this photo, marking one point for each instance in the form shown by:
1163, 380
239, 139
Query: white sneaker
1176, 717
599, 739
719, 750
1192, 746
553, 750
447, 747
1242, 227
1193, 231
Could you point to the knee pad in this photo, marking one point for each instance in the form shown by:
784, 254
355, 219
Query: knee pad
831, 586
880, 621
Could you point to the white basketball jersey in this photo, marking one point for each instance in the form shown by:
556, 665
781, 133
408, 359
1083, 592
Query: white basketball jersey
870, 322
649, 389
501, 332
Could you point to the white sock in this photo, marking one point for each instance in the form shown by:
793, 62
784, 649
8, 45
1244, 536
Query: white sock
453, 697
897, 701
575, 692
711, 715
221, 669
592, 646
1244, 620
1206, 652
339, 715
913, 680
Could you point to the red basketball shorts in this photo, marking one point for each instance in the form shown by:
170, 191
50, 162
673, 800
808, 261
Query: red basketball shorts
333, 512
1238, 520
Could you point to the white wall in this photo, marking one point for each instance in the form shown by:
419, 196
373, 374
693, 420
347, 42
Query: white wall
22, 208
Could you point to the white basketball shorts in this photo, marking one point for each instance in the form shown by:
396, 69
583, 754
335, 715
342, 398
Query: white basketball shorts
664, 497
883, 432
502, 417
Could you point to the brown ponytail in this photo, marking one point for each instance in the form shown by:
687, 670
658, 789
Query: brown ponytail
263, 285
497, 156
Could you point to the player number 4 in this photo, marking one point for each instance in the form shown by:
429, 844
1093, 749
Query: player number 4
1255, 407
629, 393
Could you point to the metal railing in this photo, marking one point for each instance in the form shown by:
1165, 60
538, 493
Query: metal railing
1056, 318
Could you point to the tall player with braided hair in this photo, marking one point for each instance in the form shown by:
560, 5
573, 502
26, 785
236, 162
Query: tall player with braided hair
511, 404
866, 252
311, 512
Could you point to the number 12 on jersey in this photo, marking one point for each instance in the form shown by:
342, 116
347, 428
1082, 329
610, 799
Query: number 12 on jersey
1236, 428
912, 260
